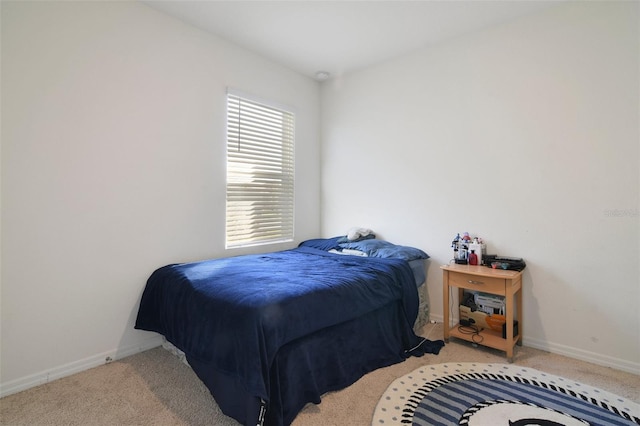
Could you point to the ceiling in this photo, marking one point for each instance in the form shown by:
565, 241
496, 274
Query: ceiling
342, 36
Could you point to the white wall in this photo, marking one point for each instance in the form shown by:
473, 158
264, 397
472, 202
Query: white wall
527, 135
113, 164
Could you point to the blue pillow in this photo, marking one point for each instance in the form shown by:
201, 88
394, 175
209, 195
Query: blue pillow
325, 244
380, 248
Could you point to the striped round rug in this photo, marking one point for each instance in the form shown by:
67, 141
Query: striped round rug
477, 394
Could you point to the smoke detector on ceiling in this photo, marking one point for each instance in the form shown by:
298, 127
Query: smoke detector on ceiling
322, 75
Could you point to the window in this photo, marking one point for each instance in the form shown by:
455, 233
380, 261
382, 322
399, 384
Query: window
260, 166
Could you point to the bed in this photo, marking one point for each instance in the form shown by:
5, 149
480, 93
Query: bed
269, 333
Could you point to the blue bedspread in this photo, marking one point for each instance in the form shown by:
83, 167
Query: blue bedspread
236, 313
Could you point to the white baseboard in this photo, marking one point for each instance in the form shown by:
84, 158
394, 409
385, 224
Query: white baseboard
24, 383
582, 355
568, 351
37, 379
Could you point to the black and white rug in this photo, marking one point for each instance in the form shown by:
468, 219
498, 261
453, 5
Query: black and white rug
498, 394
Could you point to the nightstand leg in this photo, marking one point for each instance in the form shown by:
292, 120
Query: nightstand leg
519, 315
445, 305
509, 305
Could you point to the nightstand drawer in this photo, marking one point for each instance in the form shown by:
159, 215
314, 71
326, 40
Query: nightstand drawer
475, 282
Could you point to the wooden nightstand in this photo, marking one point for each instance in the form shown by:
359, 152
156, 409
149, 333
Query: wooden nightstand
487, 280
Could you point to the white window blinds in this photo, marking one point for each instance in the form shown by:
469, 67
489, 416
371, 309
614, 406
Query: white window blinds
260, 165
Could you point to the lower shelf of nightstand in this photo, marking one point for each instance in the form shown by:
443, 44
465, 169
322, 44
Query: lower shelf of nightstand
490, 338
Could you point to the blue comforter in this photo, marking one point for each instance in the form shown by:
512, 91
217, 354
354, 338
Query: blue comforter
236, 313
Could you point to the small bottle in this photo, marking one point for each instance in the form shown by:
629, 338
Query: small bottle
473, 258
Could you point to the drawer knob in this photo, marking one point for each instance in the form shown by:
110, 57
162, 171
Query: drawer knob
475, 282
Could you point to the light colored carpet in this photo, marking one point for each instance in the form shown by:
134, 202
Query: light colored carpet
155, 388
